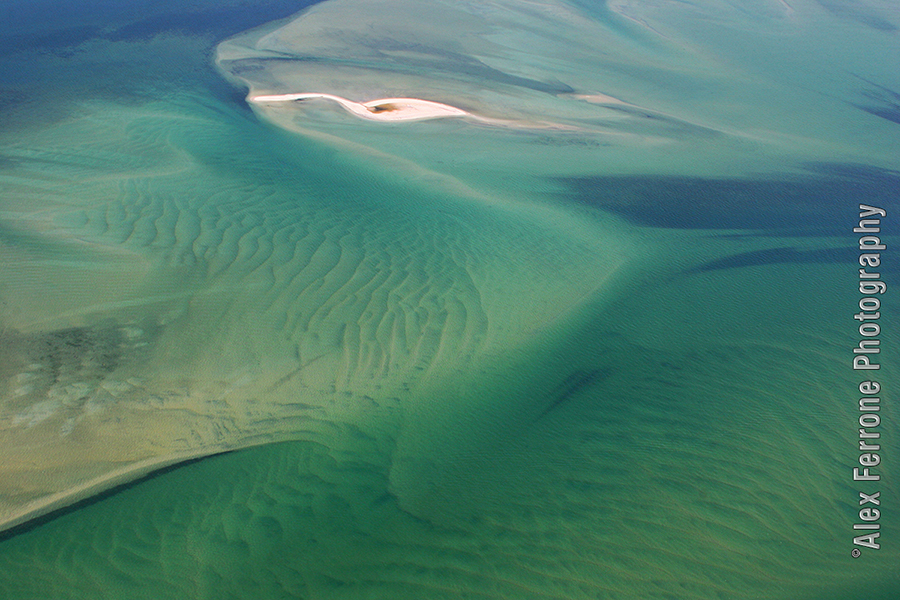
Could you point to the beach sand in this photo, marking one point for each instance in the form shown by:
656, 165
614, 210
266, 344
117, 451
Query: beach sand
385, 109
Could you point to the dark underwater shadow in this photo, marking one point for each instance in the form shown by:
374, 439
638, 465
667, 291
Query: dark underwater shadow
824, 203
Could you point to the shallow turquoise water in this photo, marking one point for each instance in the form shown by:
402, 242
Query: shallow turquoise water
459, 362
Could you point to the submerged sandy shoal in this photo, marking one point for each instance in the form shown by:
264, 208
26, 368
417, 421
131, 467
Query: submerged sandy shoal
245, 312
646, 77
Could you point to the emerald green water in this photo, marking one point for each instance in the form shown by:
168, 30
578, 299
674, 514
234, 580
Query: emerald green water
443, 360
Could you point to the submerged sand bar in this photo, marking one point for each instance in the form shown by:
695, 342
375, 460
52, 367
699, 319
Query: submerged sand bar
385, 109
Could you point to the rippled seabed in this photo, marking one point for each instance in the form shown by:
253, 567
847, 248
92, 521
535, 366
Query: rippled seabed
597, 351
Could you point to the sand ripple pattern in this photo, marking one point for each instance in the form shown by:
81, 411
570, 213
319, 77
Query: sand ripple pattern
276, 294
325, 281
578, 505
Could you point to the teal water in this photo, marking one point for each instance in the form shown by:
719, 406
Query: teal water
606, 358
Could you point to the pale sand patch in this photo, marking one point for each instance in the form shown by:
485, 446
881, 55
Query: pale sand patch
385, 109
600, 99
404, 109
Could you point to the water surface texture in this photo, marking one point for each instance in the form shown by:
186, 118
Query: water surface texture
590, 339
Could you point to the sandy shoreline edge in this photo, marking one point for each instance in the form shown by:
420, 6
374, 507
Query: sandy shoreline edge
122, 476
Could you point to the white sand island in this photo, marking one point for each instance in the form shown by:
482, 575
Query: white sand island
384, 109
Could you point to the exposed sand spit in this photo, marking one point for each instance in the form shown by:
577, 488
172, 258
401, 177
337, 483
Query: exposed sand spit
385, 109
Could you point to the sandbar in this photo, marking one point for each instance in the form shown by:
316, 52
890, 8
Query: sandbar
384, 109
